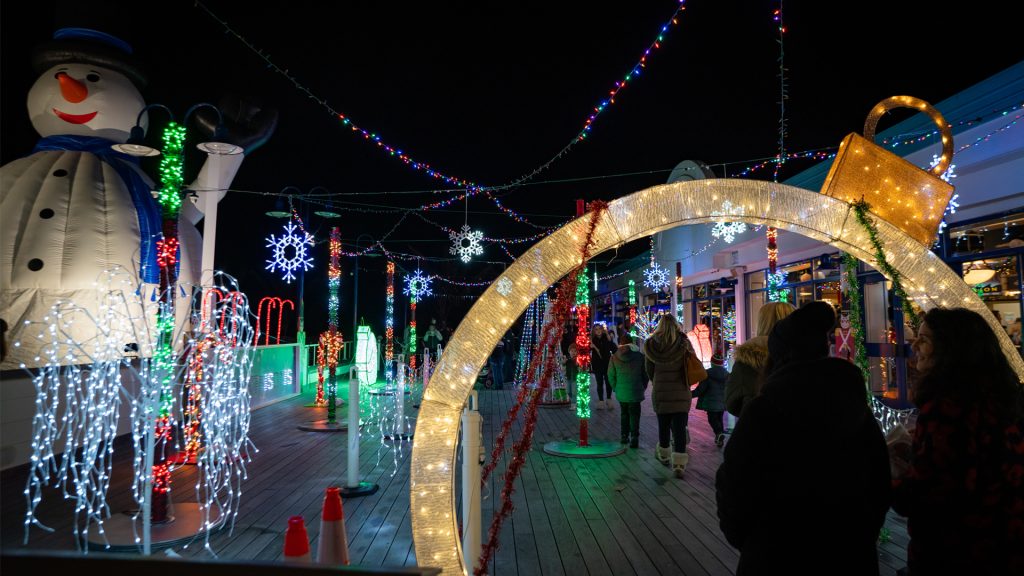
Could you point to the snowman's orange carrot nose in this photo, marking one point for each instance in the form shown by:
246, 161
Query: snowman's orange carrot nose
72, 90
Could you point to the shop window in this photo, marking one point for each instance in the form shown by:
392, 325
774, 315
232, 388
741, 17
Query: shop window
794, 273
804, 294
756, 281
995, 234
700, 291
828, 292
827, 266
755, 300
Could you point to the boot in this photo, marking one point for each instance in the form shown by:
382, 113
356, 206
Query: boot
662, 454
679, 462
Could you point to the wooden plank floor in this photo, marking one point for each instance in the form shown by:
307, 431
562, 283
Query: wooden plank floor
611, 516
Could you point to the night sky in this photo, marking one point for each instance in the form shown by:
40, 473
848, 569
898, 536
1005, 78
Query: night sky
489, 91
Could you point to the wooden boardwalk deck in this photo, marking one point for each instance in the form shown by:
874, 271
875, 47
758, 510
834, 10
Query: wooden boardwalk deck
621, 515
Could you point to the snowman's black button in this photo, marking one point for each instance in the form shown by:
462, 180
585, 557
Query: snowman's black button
60, 173
35, 264
46, 213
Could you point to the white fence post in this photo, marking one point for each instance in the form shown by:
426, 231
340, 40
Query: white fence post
472, 458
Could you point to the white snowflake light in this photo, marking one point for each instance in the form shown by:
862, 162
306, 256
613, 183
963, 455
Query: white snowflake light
417, 285
288, 261
504, 286
948, 176
656, 277
466, 244
728, 230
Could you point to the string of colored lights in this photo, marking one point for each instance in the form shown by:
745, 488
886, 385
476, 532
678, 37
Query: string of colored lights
427, 169
389, 323
632, 308
520, 240
169, 198
775, 294
331, 341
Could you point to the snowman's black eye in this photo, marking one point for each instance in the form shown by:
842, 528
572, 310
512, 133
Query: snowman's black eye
92, 77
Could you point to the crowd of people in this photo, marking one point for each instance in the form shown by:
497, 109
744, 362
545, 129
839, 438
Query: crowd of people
806, 444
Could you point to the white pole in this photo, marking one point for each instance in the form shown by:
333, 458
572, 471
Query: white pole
400, 427
472, 455
353, 428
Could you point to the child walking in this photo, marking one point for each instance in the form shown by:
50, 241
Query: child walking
710, 395
628, 380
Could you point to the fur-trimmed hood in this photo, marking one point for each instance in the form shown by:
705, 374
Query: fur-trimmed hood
753, 353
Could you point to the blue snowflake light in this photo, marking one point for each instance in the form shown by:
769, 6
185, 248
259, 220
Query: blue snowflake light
289, 252
417, 285
656, 277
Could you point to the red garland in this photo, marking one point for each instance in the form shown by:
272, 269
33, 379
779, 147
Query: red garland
551, 337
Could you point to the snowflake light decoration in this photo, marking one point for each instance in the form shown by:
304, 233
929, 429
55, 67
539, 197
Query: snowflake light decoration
728, 230
656, 277
417, 285
466, 244
948, 176
298, 259
504, 286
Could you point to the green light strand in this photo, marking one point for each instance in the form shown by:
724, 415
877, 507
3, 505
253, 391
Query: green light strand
172, 178
856, 326
861, 210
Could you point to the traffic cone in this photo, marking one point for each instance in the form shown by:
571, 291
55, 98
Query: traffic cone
333, 545
296, 541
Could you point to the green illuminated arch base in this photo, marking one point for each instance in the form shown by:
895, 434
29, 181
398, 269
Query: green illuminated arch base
926, 278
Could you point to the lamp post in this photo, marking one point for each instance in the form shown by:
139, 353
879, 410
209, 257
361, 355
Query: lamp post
157, 505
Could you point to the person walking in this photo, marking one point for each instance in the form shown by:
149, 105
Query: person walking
710, 395
960, 480
628, 380
751, 357
433, 338
496, 364
673, 367
807, 458
601, 350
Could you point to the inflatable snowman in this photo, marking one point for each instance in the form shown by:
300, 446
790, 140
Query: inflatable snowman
76, 208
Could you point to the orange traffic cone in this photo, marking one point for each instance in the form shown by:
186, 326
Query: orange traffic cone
296, 541
333, 545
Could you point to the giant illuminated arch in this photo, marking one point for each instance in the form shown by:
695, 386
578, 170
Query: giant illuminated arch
926, 278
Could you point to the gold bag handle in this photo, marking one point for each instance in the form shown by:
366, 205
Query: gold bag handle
910, 102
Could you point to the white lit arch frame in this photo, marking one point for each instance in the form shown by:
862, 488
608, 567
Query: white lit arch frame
928, 280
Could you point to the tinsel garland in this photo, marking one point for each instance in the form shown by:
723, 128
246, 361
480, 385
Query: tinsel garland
550, 338
856, 326
861, 210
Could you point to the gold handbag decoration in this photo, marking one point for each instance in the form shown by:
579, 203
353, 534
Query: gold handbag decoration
896, 190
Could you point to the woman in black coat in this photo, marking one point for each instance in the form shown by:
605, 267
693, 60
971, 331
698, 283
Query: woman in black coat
601, 350
804, 486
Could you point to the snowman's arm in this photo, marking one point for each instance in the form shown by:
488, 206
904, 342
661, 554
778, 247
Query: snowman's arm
215, 177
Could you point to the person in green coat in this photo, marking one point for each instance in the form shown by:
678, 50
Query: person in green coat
628, 381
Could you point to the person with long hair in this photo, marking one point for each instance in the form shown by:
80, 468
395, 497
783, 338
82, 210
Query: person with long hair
668, 351
961, 482
601, 350
807, 461
751, 357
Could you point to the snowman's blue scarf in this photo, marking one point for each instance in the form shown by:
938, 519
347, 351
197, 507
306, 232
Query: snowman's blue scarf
150, 224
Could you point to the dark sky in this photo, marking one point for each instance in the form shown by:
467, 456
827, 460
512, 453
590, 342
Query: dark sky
488, 91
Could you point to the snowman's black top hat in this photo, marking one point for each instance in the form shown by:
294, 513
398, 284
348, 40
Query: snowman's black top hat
87, 46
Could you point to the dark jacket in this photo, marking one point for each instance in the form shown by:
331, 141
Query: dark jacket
710, 392
806, 458
670, 392
601, 350
963, 494
626, 374
750, 359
